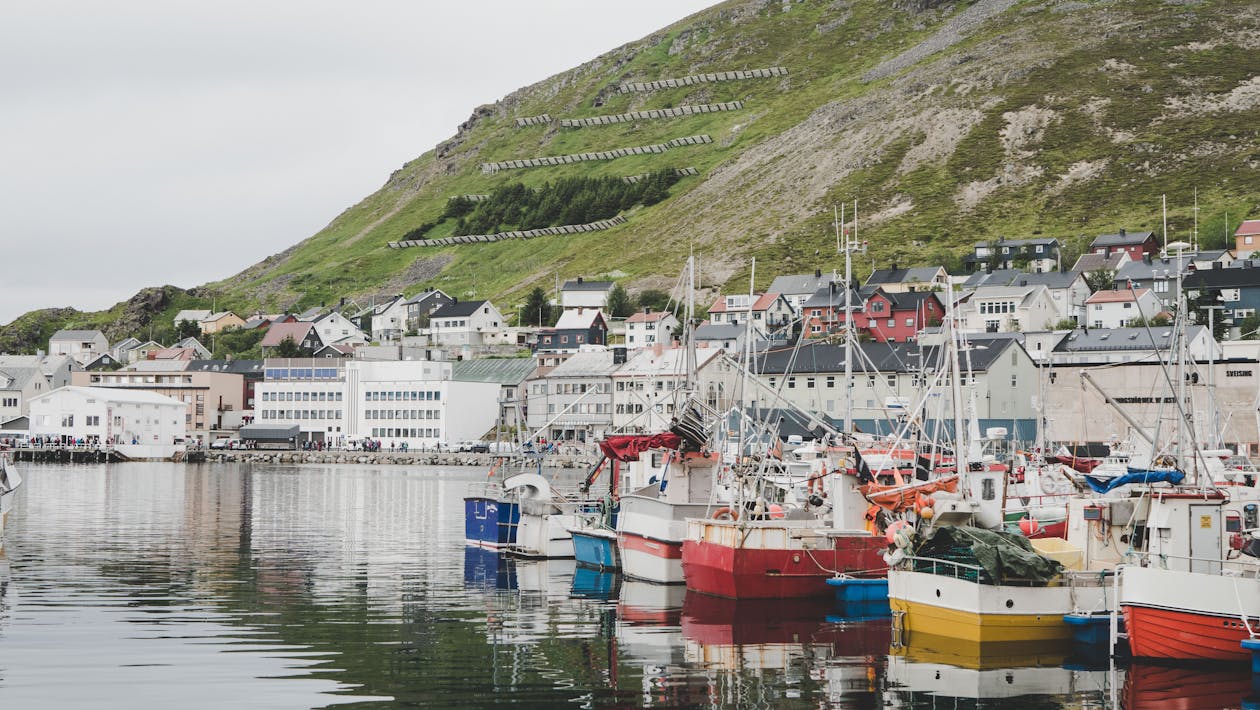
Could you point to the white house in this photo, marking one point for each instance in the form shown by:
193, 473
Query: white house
581, 293
191, 315
389, 319
423, 304
1120, 308
796, 289
648, 327
465, 323
648, 388
574, 401
82, 345
1003, 309
770, 312
333, 328
140, 425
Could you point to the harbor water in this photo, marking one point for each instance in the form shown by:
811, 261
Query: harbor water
280, 586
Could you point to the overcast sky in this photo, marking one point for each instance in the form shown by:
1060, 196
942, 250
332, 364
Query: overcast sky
147, 142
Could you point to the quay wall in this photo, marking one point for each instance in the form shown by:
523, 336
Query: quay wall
390, 458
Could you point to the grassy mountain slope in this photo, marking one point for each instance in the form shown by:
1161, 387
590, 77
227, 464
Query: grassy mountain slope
951, 122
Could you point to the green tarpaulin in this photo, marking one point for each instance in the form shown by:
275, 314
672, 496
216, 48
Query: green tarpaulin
1004, 558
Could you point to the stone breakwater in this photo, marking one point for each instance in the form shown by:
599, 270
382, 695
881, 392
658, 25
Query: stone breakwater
395, 458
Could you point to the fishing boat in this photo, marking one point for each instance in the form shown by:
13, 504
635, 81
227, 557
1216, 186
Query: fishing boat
490, 516
544, 519
10, 481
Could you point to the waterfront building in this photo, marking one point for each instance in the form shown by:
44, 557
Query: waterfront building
574, 401
213, 401
139, 424
648, 389
510, 374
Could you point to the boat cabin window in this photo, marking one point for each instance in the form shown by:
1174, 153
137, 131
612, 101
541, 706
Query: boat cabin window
1251, 516
988, 489
1233, 523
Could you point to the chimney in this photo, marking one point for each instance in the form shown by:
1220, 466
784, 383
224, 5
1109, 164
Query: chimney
818, 273
1146, 259
647, 310
893, 266
619, 356
579, 279
1122, 231
658, 348
1217, 265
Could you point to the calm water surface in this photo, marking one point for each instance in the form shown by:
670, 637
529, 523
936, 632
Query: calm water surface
220, 586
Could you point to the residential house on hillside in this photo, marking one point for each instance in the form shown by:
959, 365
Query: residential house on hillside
1121, 309
333, 328
336, 350
1236, 288
1089, 263
823, 311
120, 349
647, 328
770, 313
219, 322
389, 319
191, 315
1157, 274
923, 278
898, 316
798, 288
574, 401
83, 346
142, 351
722, 336
1209, 258
422, 305
576, 328
581, 293
200, 352
17, 386
1068, 289
1035, 255
1135, 244
1005, 309
1247, 238
301, 332
1103, 346
104, 361
465, 323
309, 314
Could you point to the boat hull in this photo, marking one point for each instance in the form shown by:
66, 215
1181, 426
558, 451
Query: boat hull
490, 522
596, 548
650, 559
1174, 614
773, 559
942, 606
650, 534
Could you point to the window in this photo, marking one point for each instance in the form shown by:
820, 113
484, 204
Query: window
909, 322
809, 382
831, 382
791, 382
891, 379
892, 323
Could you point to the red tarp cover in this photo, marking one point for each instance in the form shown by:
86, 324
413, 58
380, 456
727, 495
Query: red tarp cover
628, 448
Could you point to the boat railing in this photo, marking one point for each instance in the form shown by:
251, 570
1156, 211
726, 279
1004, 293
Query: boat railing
1241, 566
484, 489
976, 573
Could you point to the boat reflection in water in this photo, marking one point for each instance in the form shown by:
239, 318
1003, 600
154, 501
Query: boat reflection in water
938, 667
487, 569
592, 583
1158, 687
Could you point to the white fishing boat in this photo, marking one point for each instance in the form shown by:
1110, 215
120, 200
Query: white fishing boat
10, 481
546, 515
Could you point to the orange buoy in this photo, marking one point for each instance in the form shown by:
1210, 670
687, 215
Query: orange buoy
1029, 526
726, 514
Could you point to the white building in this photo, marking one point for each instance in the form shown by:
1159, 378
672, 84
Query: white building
581, 293
335, 329
411, 401
1119, 309
1005, 309
82, 345
647, 328
389, 319
574, 401
796, 289
770, 312
648, 388
140, 425
466, 323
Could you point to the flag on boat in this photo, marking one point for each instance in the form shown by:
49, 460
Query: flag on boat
863, 471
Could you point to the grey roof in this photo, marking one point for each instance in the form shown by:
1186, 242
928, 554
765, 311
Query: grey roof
828, 358
126, 344
1093, 262
919, 274
1015, 277
800, 283
998, 277
268, 432
503, 371
719, 331
585, 285
239, 367
1139, 270
77, 335
1099, 339
16, 378
1122, 239
1023, 293
597, 363
310, 314
426, 295
1240, 274
833, 297
458, 309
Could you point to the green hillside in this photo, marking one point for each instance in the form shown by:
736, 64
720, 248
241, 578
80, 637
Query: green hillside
950, 122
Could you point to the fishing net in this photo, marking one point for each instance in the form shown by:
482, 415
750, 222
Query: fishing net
1002, 558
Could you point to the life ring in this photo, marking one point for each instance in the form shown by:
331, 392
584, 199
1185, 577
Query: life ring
726, 514
894, 558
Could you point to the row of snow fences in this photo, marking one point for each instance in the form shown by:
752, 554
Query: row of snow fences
600, 155
474, 198
631, 87
681, 172
524, 234
533, 120
650, 114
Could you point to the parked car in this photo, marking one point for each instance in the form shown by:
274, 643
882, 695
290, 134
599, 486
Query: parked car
480, 447
223, 442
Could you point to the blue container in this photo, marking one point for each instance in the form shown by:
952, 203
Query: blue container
596, 548
849, 589
490, 522
1090, 629
1253, 645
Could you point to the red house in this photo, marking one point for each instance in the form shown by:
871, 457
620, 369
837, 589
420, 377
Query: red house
898, 317
1134, 244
